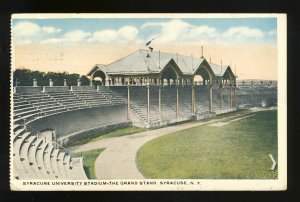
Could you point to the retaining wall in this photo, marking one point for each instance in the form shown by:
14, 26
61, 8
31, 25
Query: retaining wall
65, 140
80, 120
55, 88
83, 88
28, 89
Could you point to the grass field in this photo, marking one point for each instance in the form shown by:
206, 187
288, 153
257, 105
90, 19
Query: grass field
119, 133
115, 133
89, 158
238, 150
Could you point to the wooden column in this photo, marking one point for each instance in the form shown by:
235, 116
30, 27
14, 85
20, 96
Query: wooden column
230, 95
148, 103
159, 102
210, 97
234, 95
221, 96
177, 105
193, 99
128, 101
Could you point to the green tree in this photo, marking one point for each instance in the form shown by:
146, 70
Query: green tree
85, 81
24, 77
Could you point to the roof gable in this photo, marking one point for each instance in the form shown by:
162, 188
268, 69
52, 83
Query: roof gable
149, 62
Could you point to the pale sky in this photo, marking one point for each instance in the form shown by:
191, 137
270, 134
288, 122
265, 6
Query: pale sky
76, 45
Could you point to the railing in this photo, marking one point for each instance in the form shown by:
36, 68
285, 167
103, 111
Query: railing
68, 152
31, 129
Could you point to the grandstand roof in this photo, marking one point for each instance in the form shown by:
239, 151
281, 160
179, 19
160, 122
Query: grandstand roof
218, 70
147, 62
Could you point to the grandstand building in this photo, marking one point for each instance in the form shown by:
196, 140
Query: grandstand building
156, 70
144, 89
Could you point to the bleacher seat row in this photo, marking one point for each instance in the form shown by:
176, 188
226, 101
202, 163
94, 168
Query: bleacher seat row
29, 107
139, 99
34, 158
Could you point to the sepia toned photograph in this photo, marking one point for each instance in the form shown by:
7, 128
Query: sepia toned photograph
148, 102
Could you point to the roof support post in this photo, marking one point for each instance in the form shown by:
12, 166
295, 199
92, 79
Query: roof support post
230, 95
106, 81
128, 101
221, 96
210, 97
159, 103
193, 99
234, 95
177, 96
148, 103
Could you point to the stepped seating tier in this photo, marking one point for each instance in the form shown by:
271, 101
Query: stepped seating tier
29, 107
33, 158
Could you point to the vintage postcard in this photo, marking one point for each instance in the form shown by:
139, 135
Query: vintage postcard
148, 102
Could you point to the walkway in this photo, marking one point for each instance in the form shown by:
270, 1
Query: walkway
117, 161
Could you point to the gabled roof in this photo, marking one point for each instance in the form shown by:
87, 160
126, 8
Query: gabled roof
95, 68
144, 61
230, 72
135, 63
147, 62
218, 70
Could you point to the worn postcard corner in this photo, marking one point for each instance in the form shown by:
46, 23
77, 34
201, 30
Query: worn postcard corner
148, 102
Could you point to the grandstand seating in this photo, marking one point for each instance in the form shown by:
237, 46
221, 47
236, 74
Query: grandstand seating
33, 158
31, 106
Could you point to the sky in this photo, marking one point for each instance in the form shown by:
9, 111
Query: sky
75, 45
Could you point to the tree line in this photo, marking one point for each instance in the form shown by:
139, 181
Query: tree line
24, 77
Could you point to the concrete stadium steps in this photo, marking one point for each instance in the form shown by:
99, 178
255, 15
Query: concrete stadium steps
92, 98
168, 101
18, 132
54, 111
39, 106
18, 144
113, 97
35, 159
66, 163
26, 113
60, 164
36, 145
47, 162
40, 159
17, 127
49, 101
21, 105
77, 171
53, 161
24, 109
24, 156
28, 118
18, 170
201, 99
120, 91
68, 100
58, 102
50, 107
